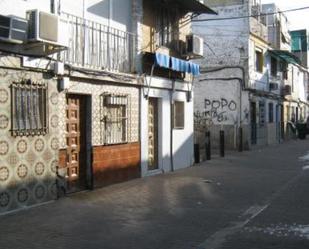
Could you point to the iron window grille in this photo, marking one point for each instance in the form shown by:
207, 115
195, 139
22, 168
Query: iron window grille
114, 117
29, 108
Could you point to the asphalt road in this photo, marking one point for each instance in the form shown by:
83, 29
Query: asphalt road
250, 200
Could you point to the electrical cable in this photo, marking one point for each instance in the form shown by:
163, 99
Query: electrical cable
248, 16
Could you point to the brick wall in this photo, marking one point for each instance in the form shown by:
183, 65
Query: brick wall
116, 163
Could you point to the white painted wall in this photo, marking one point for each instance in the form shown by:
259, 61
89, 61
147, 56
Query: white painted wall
226, 41
182, 138
19, 7
116, 13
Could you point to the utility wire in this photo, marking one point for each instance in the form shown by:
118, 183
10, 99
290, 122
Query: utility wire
248, 16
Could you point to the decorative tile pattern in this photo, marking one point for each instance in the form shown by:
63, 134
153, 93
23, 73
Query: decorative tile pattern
39, 192
39, 168
95, 90
4, 174
4, 122
22, 146
54, 98
53, 166
4, 199
22, 171
54, 144
22, 195
54, 120
4, 148
39, 145
27, 164
4, 96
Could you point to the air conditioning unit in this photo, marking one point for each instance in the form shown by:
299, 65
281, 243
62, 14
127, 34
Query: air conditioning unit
287, 90
13, 29
273, 86
195, 46
45, 27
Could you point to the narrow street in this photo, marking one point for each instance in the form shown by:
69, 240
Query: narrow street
255, 199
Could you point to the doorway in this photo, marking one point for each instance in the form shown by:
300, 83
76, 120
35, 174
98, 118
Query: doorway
76, 143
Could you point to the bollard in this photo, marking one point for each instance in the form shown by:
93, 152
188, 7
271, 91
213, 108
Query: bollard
240, 146
208, 146
222, 144
196, 153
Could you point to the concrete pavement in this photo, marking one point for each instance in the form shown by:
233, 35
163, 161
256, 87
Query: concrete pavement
246, 200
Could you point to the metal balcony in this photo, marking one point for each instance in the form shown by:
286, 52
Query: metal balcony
97, 46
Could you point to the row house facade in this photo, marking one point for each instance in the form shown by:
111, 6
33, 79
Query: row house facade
252, 85
92, 93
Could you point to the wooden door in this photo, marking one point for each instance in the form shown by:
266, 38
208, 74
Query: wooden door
153, 134
76, 143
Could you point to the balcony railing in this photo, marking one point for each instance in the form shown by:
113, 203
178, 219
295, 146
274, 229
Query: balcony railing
97, 46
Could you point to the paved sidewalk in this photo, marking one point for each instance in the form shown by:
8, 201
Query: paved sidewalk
212, 205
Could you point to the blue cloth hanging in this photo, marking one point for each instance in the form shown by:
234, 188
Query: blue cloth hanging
162, 60
194, 69
180, 65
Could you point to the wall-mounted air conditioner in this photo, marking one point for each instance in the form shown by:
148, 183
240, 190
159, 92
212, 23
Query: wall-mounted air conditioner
45, 27
195, 46
273, 86
13, 29
287, 90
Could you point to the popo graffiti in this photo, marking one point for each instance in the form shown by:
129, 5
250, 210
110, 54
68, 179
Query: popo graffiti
217, 110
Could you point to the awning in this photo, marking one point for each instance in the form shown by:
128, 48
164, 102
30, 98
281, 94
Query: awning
286, 56
176, 64
191, 6
162, 60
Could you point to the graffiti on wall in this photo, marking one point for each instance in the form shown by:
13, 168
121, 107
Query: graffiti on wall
215, 111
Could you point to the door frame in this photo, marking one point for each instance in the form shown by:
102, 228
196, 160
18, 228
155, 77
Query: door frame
87, 102
156, 125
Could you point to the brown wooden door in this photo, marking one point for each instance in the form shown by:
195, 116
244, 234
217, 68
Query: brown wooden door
153, 134
76, 143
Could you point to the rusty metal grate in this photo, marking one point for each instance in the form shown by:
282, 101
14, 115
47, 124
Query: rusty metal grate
114, 118
29, 109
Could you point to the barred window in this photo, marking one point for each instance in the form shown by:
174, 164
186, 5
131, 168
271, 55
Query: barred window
29, 108
115, 118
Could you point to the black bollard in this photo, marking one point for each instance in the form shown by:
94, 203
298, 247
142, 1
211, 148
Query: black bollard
240, 146
222, 144
196, 153
208, 146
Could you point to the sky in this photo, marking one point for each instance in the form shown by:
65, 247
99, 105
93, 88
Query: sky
298, 19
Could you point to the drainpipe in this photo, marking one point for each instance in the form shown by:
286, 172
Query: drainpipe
171, 125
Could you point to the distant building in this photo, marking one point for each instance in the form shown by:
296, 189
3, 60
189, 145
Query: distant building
300, 45
251, 85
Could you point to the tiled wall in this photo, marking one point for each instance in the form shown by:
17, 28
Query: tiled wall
95, 90
27, 164
117, 163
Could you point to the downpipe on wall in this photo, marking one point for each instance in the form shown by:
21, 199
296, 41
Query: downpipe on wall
171, 124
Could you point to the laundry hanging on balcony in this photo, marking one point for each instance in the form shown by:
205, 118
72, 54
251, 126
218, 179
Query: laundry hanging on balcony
176, 64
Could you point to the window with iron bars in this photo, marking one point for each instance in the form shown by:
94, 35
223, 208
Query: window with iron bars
29, 108
115, 118
167, 28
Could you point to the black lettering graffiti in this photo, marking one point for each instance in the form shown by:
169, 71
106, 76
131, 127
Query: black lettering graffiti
215, 111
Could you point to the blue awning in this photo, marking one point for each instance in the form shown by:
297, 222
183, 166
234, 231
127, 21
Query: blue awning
176, 64
162, 60
180, 65
194, 69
